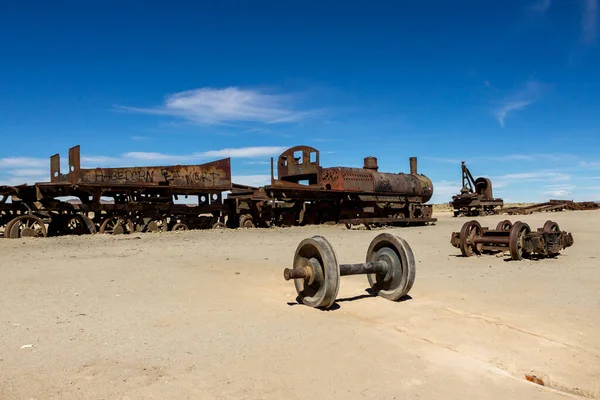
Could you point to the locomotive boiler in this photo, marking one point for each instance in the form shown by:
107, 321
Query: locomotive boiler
304, 192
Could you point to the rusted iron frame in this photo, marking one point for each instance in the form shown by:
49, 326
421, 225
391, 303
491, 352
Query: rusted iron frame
215, 175
499, 240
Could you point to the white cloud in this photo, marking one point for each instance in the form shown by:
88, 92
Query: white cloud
15, 180
535, 176
210, 106
557, 193
589, 164
589, 21
25, 162
240, 152
524, 97
244, 152
94, 160
509, 106
443, 191
28, 172
155, 157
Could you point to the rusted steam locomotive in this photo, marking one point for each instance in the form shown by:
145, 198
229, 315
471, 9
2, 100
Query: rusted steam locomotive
305, 193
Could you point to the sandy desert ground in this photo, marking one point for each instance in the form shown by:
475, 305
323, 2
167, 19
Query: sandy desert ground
208, 315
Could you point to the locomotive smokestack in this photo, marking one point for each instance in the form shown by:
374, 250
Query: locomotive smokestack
371, 163
413, 165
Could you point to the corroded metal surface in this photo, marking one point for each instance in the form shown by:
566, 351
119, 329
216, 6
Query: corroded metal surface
476, 196
213, 175
517, 238
552, 205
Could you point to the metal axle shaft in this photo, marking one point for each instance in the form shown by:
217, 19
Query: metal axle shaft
372, 267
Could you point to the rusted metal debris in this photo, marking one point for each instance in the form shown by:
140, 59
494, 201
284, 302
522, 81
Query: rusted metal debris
476, 196
304, 193
214, 175
552, 205
142, 199
115, 200
516, 238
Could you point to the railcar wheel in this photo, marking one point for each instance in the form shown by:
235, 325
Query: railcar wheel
117, 225
400, 276
469, 232
551, 226
218, 225
504, 225
152, 223
26, 226
246, 221
79, 225
321, 289
516, 240
180, 226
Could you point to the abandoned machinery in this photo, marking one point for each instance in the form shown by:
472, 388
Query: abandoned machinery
115, 200
390, 268
517, 238
551, 206
143, 199
305, 193
476, 196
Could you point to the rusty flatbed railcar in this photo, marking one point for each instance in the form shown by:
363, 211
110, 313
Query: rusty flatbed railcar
306, 193
116, 200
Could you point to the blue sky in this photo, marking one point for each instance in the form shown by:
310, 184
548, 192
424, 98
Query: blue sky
510, 87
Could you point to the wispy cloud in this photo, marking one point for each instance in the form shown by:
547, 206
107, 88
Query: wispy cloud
541, 6
23, 162
244, 152
535, 176
522, 98
560, 190
589, 164
589, 21
241, 152
210, 106
444, 190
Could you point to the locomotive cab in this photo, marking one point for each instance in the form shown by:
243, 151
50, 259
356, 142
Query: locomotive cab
299, 164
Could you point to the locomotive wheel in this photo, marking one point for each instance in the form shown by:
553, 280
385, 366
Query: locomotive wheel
551, 226
153, 223
180, 227
468, 233
504, 225
400, 277
246, 221
321, 289
7, 228
219, 225
79, 225
116, 225
26, 226
516, 240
